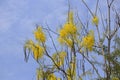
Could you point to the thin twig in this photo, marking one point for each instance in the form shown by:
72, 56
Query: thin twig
52, 40
91, 64
88, 8
96, 7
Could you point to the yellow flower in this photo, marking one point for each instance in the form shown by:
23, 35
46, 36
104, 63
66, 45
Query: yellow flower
37, 51
67, 33
51, 77
81, 51
70, 20
58, 78
39, 35
71, 71
39, 74
63, 33
62, 55
29, 44
35, 48
95, 20
80, 78
61, 40
64, 41
88, 41
115, 78
59, 58
70, 28
69, 42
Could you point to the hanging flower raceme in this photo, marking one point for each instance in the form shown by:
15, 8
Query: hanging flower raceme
71, 71
36, 49
95, 20
40, 74
29, 44
88, 41
39, 35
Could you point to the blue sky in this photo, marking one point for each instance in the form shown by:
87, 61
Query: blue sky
17, 22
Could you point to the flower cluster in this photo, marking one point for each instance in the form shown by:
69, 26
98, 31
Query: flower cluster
68, 32
88, 41
36, 49
39, 35
68, 36
51, 77
95, 20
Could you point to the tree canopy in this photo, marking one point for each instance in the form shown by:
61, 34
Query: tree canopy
67, 55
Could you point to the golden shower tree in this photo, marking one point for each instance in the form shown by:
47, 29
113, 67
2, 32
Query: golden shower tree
76, 48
